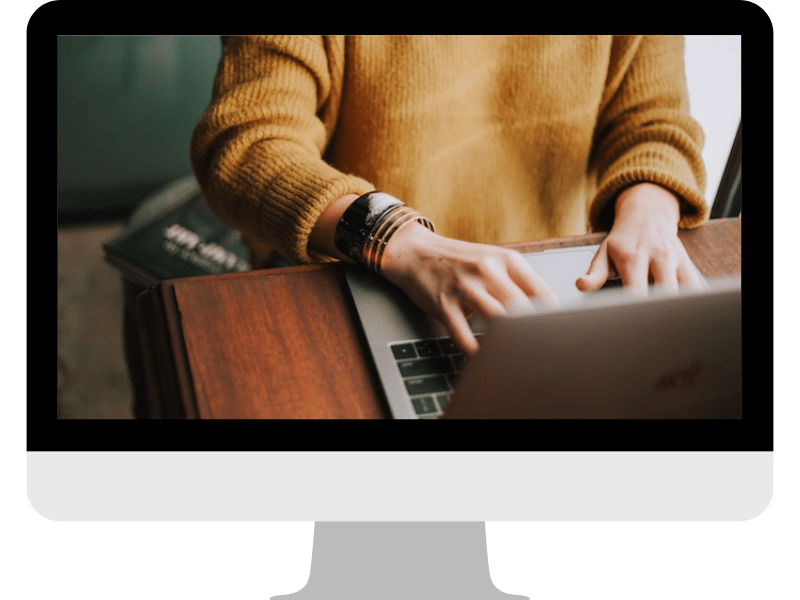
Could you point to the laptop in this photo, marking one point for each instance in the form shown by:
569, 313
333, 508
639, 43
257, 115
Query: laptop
605, 354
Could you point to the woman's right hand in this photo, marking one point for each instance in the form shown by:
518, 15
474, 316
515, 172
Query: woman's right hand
453, 280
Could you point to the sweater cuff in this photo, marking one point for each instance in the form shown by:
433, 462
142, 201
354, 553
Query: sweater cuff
647, 165
298, 197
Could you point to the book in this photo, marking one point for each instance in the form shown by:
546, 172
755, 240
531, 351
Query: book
173, 234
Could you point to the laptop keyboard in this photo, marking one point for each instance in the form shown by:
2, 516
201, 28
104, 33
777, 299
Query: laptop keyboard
429, 368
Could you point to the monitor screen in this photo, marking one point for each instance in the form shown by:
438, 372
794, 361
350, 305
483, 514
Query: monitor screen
385, 471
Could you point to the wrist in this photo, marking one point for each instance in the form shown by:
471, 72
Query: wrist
402, 253
321, 239
648, 199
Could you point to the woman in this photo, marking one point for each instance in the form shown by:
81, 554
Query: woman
490, 139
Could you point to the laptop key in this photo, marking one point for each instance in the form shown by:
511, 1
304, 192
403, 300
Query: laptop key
448, 346
416, 386
402, 351
424, 405
428, 348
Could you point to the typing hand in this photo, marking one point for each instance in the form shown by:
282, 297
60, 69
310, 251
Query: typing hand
452, 279
643, 244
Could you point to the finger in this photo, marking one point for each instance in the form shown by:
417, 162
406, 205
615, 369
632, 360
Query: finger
633, 270
514, 298
503, 277
688, 275
457, 324
492, 299
598, 273
486, 305
665, 273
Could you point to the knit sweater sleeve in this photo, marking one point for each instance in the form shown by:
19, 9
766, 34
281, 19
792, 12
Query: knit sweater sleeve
644, 130
257, 149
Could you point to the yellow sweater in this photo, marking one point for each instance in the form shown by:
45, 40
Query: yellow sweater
496, 139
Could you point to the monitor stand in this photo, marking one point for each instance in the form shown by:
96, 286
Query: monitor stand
398, 561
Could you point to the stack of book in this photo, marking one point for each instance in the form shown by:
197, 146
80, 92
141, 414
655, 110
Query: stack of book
174, 234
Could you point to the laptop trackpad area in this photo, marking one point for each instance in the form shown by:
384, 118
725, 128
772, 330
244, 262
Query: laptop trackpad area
561, 267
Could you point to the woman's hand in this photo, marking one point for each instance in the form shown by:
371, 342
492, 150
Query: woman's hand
449, 279
452, 279
643, 244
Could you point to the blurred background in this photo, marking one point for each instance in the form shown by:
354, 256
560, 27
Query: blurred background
126, 109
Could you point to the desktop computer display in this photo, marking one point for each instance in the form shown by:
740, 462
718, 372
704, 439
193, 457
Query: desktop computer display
347, 475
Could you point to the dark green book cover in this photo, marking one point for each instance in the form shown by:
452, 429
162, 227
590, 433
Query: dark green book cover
180, 237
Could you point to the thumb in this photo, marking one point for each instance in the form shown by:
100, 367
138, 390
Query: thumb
598, 271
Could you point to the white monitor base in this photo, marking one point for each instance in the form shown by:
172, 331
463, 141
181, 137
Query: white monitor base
399, 561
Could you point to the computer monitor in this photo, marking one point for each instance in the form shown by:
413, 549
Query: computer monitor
341, 472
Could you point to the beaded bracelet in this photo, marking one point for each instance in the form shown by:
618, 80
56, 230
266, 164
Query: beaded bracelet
367, 225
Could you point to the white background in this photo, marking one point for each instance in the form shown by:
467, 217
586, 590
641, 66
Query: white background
713, 76
239, 561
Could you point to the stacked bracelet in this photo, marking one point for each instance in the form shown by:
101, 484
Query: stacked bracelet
367, 225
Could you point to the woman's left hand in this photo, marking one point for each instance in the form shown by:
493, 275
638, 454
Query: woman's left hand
643, 244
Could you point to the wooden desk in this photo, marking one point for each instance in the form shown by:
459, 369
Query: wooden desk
286, 344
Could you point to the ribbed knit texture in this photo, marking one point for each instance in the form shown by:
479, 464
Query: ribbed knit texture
496, 139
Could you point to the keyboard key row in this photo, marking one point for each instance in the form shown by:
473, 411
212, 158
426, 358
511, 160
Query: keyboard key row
425, 348
429, 368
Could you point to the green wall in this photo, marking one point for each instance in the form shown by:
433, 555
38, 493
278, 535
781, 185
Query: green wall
126, 109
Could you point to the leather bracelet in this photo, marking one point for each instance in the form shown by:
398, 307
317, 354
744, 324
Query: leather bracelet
367, 225
358, 220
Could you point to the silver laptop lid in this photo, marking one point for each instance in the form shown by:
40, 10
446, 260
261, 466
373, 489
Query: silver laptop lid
611, 356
